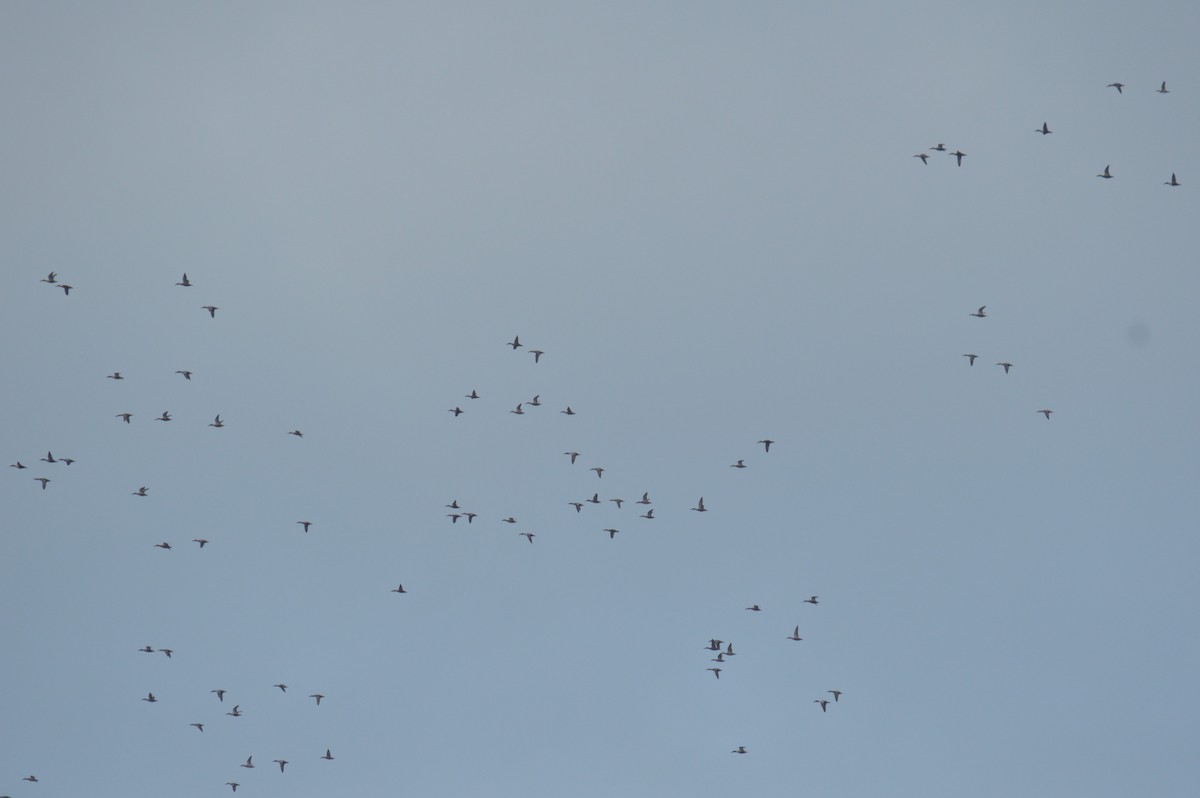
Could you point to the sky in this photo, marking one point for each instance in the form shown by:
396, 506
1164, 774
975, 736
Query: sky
709, 218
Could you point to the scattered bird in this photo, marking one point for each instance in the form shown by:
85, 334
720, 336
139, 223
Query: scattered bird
979, 314
142, 491
282, 687
51, 278
166, 416
399, 589
235, 712
577, 505
66, 460
959, 154
297, 433
719, 658
645, 498
595, 499
537, 354
471, 517
220, 694
453, 505
939, 148
249, 762
741, 749
233, 785
49, 458
454, 517
738, 464
34, 778
754, 608
535, 401
328, 755
201, 541
766, 444
568, 411
795, 635
185, 282
42, 480
572, 455
700, 508
187, 375
599, 471
305, 524
612, 533
1163, 88
150, 697
1044, 129
1117, 86
473, 394
116, 375
714, 645
811, 600
146, 649
509, 520
648, 514
456, 410
1106, 174
729, 651
217, 422
124, 416
1172, 181
17, 465
837, 694
516, 342
518, 411
618, 502
281, 763
212, 310
971, 360
318, 697
824, 702
66, 288
199, 726
164, 545
1046, 413
167, 651
1007, 366
528, 535
716, 672
924, 157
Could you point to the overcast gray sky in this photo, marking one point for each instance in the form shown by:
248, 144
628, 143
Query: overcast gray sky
709, 218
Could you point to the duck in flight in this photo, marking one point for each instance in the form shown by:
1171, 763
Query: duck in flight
281, 763
612, 533
1172, 181
1044, 129
17, 464
599, 471
249, 762
618, 502
297, 433
166, 416
167, 651
568, 411
456, 410
1107, 175
235, 713
741, 749
318, 697
535, 401
328, 754
738, 464
199, 726
700, 508
52, 277
811, 600
150, 697
217, 422
49, 458
399, 589
305, 524
837, 694
282, 687
766, 444
66, 288
1007, 366
142, 491
187, 375
529, 535
939, 148
220, 694
212, 310
42, 480
1046, 413
473, 394
971, 361
648, 514
924, 156
979, 314
572, 455
116, 375
201, 541
645, 498
795, 635
1117, 86
595, 499
577, 505
1163, 88
232, 785
716, 672
959, 154
164, 545
518, 411
824, 702
537, 355
754, 608
185, 282
516, 342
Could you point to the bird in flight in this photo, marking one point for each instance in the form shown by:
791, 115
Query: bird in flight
700, 508
150, 697
305, 524
328, 755
1106, 174
187, 375
754, 608
116, 375
568, 411
537, 355
939, 148
164, 545
233, 785
738, 464
167, 651
1172, 181
52, 277
1046, 413
146, 649
17, 464
509, 520
201, 541
66, 288
577, 505
612, 533
924, 156
297, 433
971, 360
599, 471
535, 401
212, 310
42, 480
618, 502
716, 672
648, 514
837, 694
185, 282
34, 779
1044, 129
595, 499
281, 763
473, 394
1117, 86
824, 702
236, 713
572, 455
766, 444
1007, 366
217, 422
399, 589
979, 314
318, 697
454, 517
516, 342
142, 491
741, 749
49, 458
645, 498
729, 651
166, 416
249, 762
282, 687
456, 410
528, 535
124, 416
719, 658
518, 411
795, 635
811, 600
220, 694
959, 154
199, 726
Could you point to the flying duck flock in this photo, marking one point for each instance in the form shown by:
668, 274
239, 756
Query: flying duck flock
721, 659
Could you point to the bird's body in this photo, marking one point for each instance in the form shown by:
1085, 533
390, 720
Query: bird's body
612, 533
1163, 88
166, 416
217, 422
939, 148
456, 410
212, 310
124, 416
648, 514
811, 600
754, 608
716, 671
738, 464
167, 651
164, 545
924, 157
473, 394
645, 498
235, 712
305, 524
741, 749
1106, 174
700, 508
837, 694
142, 491
528, 535
282, 687
318, 698
979, 314
516, 342
766, 444
795, 635
150, 698
220, 694
599, 471
572, 455
1117, 86
536, 401
201, 541
116, 375
297, 433
1007, 366
66, 288
959, 154
281, 763
185, 282
42, 480
618, 502
1046, 413
249, 762
399, 589
51, 278
187, 375
824, 702
568, 411
518, 411
1044, 129
537, 355
971, 359
328, 754
1172, 181
199, 726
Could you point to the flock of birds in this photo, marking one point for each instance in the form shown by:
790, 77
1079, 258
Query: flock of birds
1045, 131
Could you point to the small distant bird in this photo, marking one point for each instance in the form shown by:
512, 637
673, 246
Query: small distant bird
568, 411
34, 778
1007, 366
187, 375
595, 499
714, 645
473, 394
535, 401
199, 726
700, 508
297, 433
959, 154
471, 517
518, 411
66, 288
577, 505
456, 410
164, 545
150, 697
142, 491
212, 310
124, 416
939, 148
1172, 181
233, 785
599, 471
318, 697
17, 465
201, 541
795, 635
146, 649
729, 651
719, 658
281, 763
618, 502
116, 375
716, 671
1106, 175
537, 354
49, 458
217, 422
1046, 413
305, 524
249, 762
220, 694
453, 505
509, 520
516, 342
528, 535
824, 702
328, 755
741, 749
1163, 89
612, 533
754, 608
766, 444
185, 282
738, 464
645, 498
166, 416
837, 694
42, 480
1117, 86
811, 600
924, 157
282, 687
572, 455
971, 359
454, 517
648, 514
66, 460
51, 278
399, 589
236, 713
1044, 129
167, 651
979, 314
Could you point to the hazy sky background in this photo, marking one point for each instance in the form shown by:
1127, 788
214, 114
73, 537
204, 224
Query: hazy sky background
709, 217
